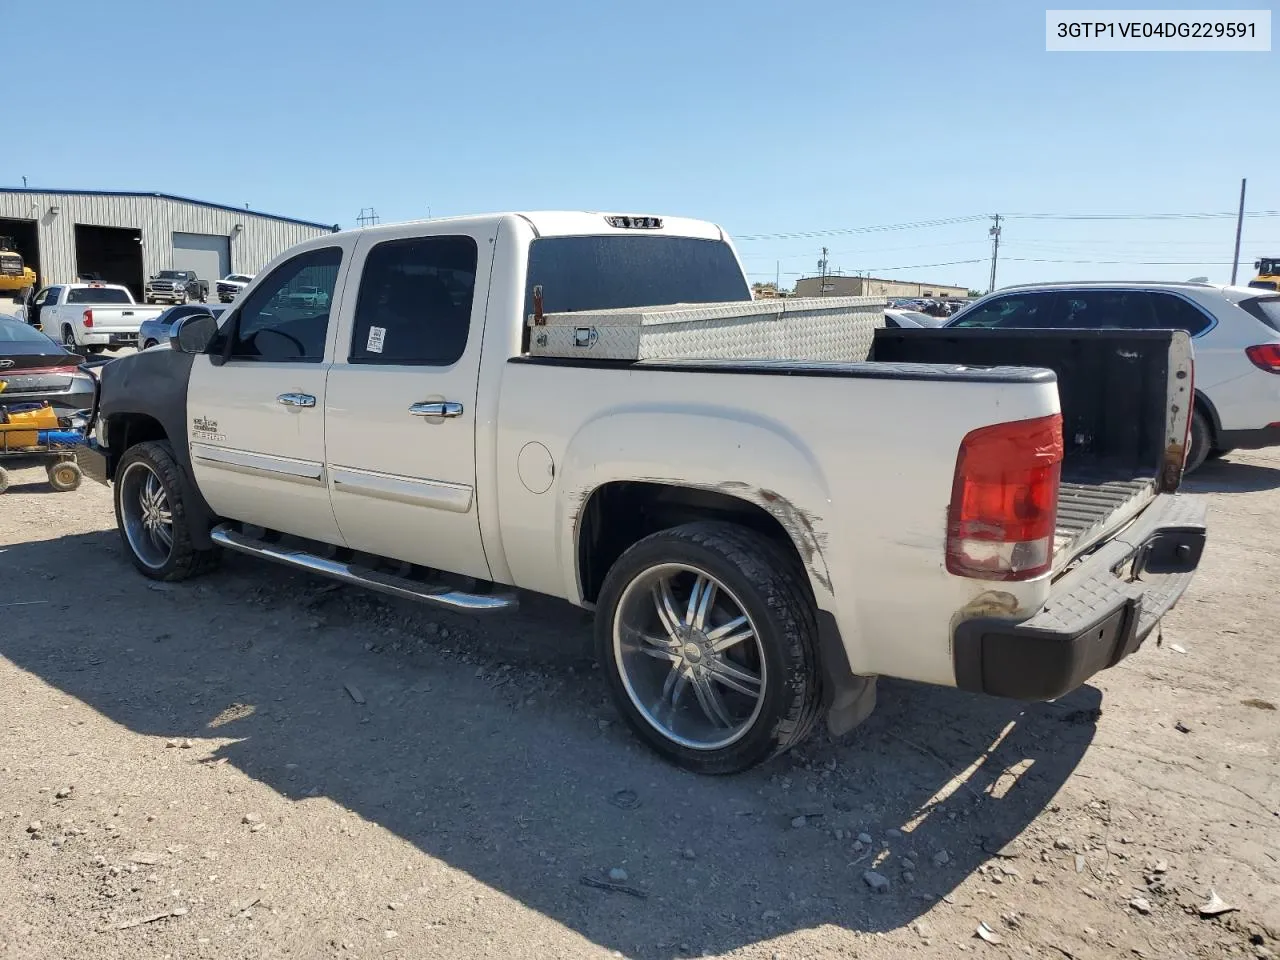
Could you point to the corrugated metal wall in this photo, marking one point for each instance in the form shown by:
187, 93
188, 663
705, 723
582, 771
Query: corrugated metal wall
259, 239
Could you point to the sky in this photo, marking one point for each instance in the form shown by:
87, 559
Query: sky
772, 119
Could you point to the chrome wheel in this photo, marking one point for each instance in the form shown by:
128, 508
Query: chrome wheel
689, 656
146, 515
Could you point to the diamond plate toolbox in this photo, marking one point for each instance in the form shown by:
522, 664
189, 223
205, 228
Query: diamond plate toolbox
812, 328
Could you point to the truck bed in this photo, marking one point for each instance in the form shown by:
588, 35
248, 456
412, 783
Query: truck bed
1117, 411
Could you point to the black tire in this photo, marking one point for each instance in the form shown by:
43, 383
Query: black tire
64, 476
98, 349
773, 592
69, 341
4, 480
149, 344
183, 560
1201, 442
1217, 453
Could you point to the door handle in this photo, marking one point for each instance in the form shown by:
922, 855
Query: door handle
438, 408
296, 399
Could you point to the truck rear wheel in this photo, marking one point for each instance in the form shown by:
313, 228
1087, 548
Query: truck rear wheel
151, 515
708, 636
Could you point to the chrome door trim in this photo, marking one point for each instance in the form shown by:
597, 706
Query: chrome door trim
306, 472
415, 491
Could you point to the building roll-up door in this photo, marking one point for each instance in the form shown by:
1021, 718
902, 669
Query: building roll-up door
207, 254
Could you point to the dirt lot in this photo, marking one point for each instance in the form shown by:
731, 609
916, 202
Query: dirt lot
258, 764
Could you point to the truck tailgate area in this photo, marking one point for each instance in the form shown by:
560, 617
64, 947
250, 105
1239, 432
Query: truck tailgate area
1089, 508
1124, 395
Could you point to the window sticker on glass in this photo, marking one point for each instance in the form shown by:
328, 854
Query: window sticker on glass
376, 336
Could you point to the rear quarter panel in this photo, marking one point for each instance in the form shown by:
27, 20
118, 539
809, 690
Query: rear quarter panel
857, 469
1243, 396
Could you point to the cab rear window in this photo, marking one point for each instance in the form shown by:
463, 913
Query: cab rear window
97, 295
615, 272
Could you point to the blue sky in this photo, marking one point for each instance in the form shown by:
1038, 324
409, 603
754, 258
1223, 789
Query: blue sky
768, 118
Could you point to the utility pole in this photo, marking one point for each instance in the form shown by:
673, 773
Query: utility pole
822, 267
1235, 260
994, 234
24, 183
777, 275
368, 217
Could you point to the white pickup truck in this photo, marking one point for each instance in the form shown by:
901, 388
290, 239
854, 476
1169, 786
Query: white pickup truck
759, 539
90, 317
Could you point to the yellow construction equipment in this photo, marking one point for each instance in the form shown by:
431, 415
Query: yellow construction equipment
1268, 277
15, 275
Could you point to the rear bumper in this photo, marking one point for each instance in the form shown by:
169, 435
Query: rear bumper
64, 402
1098, 613
1249, 439
107, 339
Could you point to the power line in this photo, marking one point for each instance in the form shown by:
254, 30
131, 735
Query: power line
851, 253
1133, 263
843, 231
947, 221
867, 270
1230, 214
1101, 241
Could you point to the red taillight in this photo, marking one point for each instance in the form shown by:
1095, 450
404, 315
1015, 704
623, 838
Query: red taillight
1265, 356
1004, 501
88, 318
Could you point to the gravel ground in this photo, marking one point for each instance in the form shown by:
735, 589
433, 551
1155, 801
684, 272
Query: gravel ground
260, 764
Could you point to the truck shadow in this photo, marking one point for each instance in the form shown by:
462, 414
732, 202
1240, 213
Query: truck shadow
1232, 476
501, 758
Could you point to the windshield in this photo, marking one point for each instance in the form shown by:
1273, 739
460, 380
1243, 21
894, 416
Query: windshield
98, 295
613, 272
238, 278
170, 275
1269, 267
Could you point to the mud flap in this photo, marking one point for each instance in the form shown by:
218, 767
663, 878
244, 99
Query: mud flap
851, 705
848, 699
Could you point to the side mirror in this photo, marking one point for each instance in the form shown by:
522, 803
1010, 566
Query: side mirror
192, 333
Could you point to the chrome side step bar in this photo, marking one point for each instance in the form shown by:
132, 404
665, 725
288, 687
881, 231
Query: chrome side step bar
224, 535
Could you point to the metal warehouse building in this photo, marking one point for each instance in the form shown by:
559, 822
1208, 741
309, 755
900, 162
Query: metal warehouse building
126, 237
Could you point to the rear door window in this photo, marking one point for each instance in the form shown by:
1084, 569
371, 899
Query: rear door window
1020, 310
1175, 313
415, 301
1106, 310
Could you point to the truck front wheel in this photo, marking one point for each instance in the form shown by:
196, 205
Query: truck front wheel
151, 515
707, 633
